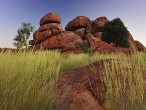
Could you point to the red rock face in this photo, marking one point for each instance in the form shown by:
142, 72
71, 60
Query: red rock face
56, 31
65, 41
101, 21
92, 40
50, 18
40, 36
81, 32
98, 35
50, 26
75, 93
50, 43
92, 27
77, 23
84, 89
97, 25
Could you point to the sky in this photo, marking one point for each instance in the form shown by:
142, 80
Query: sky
14, 12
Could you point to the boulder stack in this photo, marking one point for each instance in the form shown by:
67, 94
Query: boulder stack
50, 35
81, 34
49, 26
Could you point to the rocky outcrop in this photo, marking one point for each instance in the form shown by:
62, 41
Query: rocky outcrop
82, 89
49, 26
85, 89
88, 34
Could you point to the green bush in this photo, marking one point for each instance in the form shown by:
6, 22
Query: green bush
115, 32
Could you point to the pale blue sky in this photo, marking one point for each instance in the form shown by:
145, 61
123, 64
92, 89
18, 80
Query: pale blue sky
14, 12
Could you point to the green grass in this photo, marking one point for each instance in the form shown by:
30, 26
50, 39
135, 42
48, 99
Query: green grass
28, 80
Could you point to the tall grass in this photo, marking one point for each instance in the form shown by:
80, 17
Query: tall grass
124, 83
28, 80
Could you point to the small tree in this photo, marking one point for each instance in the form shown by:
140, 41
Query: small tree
23, 34
115, 32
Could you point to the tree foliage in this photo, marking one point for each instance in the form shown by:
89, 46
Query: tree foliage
23, 34
115, 32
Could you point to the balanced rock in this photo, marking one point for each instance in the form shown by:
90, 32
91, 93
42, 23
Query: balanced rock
50, 18
77, 23
45, 31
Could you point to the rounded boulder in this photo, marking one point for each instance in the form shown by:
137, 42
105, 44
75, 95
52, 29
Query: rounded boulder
77, 23
50, 18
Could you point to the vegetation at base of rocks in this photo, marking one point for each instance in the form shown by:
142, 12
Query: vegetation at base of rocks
28, 79
85, 47
115, 32
23, 34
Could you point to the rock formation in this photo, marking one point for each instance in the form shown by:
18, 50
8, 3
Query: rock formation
80, 33
49, 26
84, 88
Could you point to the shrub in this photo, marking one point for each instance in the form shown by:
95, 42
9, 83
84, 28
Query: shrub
115, 32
